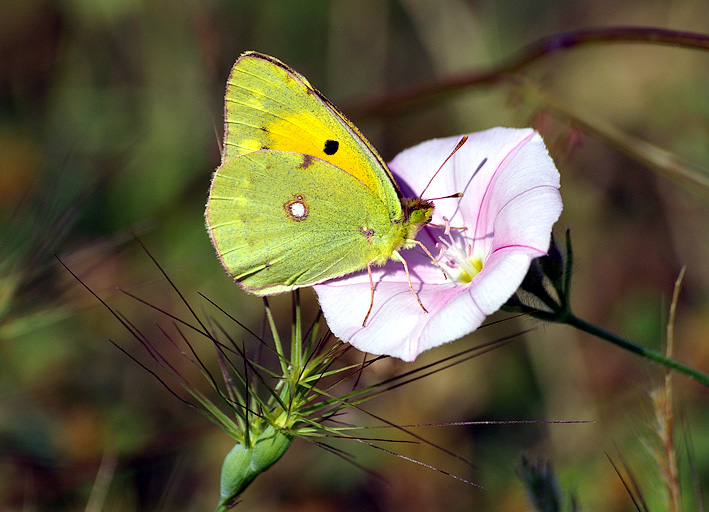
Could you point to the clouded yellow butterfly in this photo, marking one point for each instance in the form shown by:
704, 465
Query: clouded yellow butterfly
301, 196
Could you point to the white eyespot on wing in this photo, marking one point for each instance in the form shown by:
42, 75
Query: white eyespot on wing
297, 209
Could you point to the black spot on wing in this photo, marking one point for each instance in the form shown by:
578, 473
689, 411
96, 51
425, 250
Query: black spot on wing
331, 147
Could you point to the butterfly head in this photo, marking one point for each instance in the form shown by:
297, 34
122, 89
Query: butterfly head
417, 213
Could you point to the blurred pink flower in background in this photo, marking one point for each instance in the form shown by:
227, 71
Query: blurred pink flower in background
510, 202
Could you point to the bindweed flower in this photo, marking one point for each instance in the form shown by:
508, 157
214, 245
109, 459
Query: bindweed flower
485, 242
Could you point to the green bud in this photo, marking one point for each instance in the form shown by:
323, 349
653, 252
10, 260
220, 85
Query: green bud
242, 464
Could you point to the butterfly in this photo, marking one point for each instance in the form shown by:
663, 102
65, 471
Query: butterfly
301, 196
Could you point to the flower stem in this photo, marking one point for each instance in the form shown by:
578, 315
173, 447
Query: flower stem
544, 274
582, 325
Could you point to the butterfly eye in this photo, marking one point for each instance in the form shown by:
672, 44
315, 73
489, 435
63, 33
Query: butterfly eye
331, 147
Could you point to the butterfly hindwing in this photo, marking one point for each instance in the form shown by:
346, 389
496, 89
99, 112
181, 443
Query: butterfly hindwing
282, 220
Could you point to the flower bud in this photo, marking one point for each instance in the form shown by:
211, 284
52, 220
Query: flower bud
243, 463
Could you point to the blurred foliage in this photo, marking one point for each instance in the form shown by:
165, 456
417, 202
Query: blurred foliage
110, 121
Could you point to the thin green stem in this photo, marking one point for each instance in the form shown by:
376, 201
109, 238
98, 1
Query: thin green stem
296, 354
582, 325
276, 338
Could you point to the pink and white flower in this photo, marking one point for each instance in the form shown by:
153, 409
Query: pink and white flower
510, 201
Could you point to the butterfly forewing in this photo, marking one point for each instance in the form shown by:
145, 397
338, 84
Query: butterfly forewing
270, 106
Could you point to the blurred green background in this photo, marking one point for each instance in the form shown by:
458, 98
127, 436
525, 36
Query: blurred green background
110, 121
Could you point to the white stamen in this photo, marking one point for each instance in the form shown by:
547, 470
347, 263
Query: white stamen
459, 263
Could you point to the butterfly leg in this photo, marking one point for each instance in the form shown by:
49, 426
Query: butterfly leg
371, 288
432, 259
396, 256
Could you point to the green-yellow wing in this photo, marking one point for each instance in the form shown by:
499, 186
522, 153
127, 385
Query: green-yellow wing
281, 220
268, 105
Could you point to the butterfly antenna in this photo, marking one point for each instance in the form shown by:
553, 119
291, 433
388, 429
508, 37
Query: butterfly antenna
462, 141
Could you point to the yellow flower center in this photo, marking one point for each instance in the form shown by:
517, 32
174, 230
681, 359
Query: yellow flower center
468, 269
